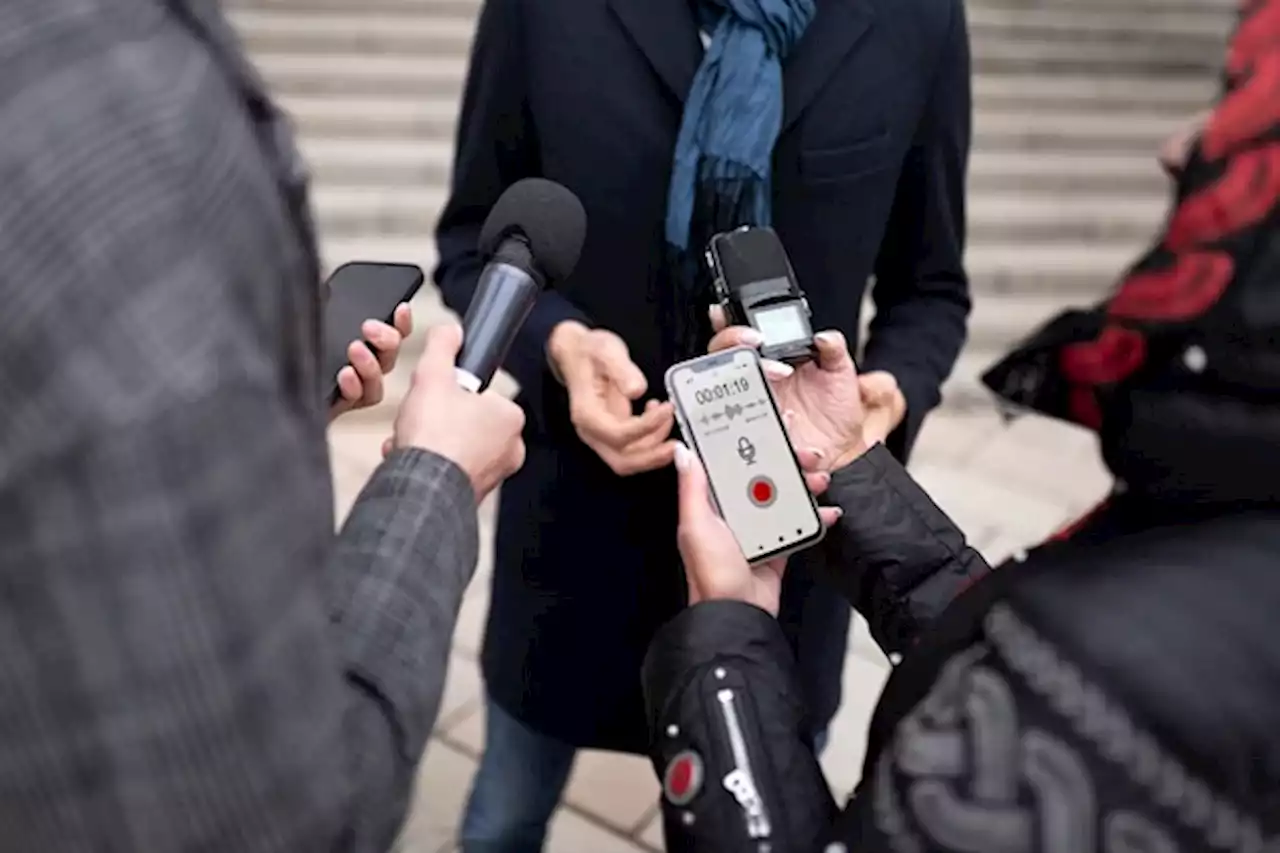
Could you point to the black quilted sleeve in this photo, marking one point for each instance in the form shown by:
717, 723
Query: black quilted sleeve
894, 554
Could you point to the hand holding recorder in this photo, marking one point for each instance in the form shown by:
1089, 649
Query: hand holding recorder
822, 400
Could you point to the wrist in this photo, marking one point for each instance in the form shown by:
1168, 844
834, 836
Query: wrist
848, 455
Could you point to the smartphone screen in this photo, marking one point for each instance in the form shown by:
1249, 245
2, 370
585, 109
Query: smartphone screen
729, 418
359, 291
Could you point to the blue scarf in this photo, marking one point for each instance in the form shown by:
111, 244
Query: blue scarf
732, 117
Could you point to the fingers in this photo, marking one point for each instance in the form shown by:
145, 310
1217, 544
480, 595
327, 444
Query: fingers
776, 370
360, 382
735, 336
594, 422
810, 459
830, 515
350, 388
385, 342
817, 482
833, 351
694, 493
440, 355
403, 320
637, 462
718, 318
388, 445
878, 388
614, 361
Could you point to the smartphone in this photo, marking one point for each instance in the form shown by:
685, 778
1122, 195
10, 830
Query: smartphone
729, 418
359, 291
756, 286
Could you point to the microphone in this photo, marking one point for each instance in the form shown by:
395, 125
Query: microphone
533, 237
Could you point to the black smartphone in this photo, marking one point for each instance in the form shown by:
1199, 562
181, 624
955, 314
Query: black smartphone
728, 417
756, 287
359, 291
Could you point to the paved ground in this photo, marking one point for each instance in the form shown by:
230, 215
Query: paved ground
1006, 485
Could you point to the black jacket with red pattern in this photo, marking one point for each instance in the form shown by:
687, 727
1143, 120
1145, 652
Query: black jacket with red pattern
1178, 369
1117, 692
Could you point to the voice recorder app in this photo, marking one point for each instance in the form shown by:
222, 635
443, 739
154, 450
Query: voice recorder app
732, 424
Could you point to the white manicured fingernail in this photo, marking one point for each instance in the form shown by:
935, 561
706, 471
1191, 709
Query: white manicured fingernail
828, 338
752, 338
776, 369
815, 451
684, 456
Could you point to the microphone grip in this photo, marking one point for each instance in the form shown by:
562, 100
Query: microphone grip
505, 294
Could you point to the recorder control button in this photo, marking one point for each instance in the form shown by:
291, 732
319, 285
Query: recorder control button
761, 491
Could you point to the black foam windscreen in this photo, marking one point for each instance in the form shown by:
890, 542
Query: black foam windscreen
548, 216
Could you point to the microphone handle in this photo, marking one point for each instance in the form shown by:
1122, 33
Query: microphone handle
505, 294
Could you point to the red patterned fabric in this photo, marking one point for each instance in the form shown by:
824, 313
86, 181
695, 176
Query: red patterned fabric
1202, 281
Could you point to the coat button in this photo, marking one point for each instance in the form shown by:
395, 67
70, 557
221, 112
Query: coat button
682, 779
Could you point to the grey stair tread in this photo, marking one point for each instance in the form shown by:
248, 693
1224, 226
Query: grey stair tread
396, 161
353, 73
1085, 130
1078, 272
361, 210
1109, 22
996, 320
1172, 54
1124, 174
367, 117
1072, 99
1011, 36
381, 163
1179, 95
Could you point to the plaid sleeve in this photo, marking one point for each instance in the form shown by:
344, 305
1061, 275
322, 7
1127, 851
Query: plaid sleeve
174, 673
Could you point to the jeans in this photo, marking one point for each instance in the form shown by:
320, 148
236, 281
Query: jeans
518, 786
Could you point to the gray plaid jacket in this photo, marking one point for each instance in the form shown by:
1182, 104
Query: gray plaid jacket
189, 660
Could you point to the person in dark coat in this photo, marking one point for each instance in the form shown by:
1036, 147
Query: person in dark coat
844, 124
1118, 688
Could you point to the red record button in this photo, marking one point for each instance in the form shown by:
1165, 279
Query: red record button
683, 778
761, 491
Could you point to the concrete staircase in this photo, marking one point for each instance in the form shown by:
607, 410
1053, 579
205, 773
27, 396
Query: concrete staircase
1072, 98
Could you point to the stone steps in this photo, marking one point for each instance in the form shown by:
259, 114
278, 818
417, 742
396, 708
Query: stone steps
365, 211
999, 36
389, 162
1071, 98
1066, 94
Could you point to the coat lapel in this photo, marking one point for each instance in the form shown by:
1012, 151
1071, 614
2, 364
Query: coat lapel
837, 27
667, 34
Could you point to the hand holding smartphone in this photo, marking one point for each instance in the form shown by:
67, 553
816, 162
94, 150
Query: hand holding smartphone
728, 416
360, 291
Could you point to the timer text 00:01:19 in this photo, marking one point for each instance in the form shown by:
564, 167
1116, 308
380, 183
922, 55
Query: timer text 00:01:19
721, 391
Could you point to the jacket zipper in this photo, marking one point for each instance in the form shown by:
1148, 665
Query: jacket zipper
740, 782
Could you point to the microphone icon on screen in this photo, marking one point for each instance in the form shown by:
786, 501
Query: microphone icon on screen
746, 451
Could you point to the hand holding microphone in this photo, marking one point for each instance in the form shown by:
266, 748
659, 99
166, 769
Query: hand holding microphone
532, 237
478, 432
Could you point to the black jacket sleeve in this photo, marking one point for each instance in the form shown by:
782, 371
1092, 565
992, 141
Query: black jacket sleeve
894, 554
725, 712
921, 292
726, 717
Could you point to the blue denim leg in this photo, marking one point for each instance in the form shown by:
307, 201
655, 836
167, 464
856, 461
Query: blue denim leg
521, 777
